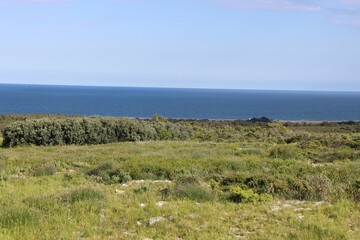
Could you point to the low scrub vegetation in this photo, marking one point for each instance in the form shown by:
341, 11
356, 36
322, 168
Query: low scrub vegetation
224, 180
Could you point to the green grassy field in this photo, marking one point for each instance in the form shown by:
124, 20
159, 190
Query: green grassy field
258, 188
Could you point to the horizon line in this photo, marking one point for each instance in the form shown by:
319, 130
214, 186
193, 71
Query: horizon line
164, 87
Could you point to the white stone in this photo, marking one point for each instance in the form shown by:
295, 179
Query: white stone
302, 209
162, 181
160, 203
154, 220
319, 203
120, 192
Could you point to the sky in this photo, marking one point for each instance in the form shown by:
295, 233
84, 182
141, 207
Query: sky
229, 44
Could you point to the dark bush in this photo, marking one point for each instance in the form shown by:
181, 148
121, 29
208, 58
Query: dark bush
310, 187
109, 173
91, 130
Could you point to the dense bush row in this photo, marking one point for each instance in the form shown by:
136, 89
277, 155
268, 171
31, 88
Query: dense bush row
91, 130
344, 137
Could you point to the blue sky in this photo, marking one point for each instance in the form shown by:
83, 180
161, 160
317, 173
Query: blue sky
244, 44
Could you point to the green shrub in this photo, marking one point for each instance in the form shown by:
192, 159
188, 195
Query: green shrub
266, 197
285, 152
215, 186
289, 186
186, 180
321, 187
102, 169
240, 195
109, 173
151, 170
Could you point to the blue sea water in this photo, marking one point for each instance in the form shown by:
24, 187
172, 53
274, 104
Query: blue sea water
179, 103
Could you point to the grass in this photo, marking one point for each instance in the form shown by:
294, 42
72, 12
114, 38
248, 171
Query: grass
70, 204
305, 188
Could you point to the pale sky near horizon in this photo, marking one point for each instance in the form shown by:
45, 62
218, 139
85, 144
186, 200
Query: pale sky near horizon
242, 44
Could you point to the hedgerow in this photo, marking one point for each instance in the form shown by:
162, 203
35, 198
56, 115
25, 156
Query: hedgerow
91, 130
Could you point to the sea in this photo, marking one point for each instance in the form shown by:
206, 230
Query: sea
179, 103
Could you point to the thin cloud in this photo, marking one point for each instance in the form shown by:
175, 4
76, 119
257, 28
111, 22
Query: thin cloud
32, 2
272, 5
46, 1
79, 27
341, 12
352, 2
349, 21
336, 6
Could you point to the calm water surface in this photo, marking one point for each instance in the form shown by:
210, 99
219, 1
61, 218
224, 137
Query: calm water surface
179, 103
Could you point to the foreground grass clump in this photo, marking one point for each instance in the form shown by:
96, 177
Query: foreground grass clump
15, 218
83, 194
188, 187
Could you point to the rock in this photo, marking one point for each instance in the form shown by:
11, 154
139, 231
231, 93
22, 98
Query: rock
319, 203
132, 182
154, 220
160, 203
138, 223
120, 192
239, 237
17, 176
162, 181
302, 209
137, 181
275, 208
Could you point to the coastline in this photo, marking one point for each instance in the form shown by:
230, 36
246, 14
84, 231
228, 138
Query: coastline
254, 120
